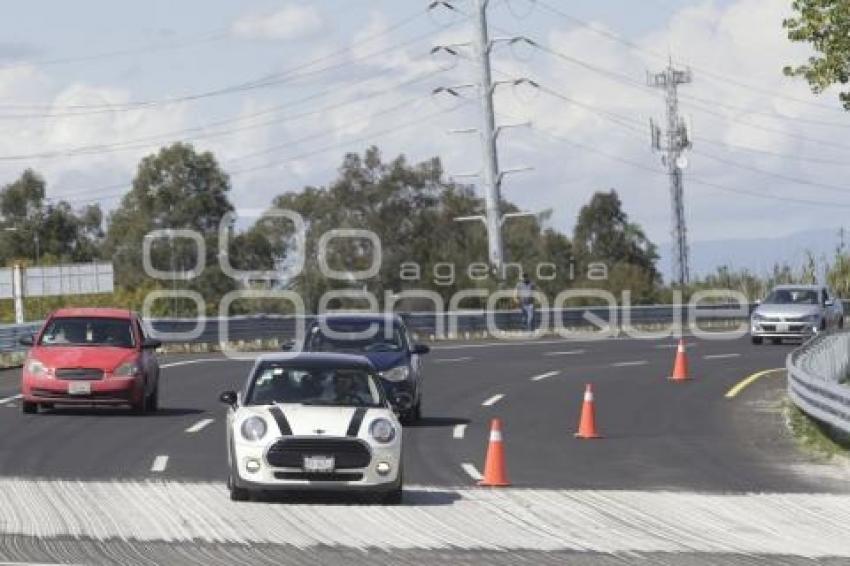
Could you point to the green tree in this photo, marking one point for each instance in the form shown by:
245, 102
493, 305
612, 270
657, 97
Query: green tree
825, 25
604, 234
177, 188
55, 232
413, 210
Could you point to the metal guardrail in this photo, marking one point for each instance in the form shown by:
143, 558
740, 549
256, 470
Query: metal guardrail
11, 333
271, 326
817, 371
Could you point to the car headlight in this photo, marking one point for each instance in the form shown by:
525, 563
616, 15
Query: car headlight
128, 369
399, 373
382, 431
37, 368
254, 428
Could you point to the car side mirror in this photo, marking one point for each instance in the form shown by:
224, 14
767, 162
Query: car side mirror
420, 349
228, 398
27, 340
151, 344
288, 346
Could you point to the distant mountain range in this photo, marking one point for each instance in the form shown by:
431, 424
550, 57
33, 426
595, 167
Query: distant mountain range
758, 255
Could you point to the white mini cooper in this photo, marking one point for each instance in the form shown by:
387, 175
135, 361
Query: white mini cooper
313, 421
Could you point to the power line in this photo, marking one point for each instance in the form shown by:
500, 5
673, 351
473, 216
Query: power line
629, 124
323, 149
629, 81
703, 70
149, 141
209, 37
623, 120
266, 81
363, 139
692, 179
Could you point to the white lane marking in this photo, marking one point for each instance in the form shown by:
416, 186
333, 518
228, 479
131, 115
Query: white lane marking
450, 360
459, 431
565, 353
202, 361
493, 400
472, 471
200, 425
546, 375
720, 356
159, 464
630, 364
10, 399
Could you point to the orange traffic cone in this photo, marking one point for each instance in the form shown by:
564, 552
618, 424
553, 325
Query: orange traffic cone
587, 424
495, 471
680, 367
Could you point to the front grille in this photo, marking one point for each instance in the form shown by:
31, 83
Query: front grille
347, 453
318, 477
90, 374
107, 396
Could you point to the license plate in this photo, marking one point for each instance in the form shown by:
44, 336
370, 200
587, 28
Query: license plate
782, 327
319, 464
79, 388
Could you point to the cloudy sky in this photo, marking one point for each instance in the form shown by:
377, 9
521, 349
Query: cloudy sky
280, 89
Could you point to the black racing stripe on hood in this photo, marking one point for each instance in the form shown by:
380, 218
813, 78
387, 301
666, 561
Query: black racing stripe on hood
356, 421
281, 421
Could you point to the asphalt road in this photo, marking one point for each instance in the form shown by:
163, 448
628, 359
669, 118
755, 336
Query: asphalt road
662, 439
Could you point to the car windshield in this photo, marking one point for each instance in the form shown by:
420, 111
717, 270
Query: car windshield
79, 331
358, 337
347, 387
792, 297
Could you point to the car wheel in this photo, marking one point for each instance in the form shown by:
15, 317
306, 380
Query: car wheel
756, 340
237, 493
396, 495
841, 323
152, 402
29, 407
407, 417
139, 407
417, 411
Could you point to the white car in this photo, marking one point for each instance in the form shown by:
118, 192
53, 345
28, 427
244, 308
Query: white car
312, 421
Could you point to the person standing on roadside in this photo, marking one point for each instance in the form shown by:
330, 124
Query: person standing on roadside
525, 298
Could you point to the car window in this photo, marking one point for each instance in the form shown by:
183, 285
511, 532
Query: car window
83, 331
356, 337
792, 297
275, 383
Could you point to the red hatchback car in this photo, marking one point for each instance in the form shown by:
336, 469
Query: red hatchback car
91, 356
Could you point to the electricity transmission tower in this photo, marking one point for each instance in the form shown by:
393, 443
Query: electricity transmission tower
491, 175
676, 140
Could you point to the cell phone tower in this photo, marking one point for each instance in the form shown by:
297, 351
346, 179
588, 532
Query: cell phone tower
673, 143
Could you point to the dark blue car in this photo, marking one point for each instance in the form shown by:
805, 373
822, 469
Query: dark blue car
385, 341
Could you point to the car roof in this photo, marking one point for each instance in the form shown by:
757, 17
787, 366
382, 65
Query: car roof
93, 312
806, 287
360, 317
317, 359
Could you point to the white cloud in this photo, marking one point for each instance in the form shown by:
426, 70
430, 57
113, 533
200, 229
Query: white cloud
293, 21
